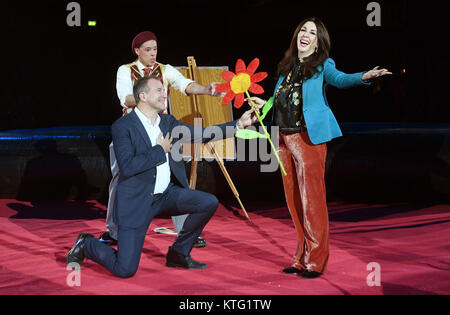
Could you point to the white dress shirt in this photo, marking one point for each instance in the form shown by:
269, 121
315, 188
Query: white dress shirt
171, 76
163, 170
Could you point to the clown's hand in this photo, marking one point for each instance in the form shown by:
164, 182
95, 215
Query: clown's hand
212, 90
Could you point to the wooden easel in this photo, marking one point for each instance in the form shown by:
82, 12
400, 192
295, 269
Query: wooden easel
196, 156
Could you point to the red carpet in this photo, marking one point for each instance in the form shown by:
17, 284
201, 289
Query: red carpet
410, 245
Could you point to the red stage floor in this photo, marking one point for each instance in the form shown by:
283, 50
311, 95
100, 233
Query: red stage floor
409, 244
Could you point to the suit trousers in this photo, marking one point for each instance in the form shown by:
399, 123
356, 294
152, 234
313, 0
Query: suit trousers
111, 226
123, 262
305, 193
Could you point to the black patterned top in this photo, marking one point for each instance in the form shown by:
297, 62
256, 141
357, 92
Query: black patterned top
289, 103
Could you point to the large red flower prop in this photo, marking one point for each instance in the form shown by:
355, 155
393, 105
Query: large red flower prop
244, 80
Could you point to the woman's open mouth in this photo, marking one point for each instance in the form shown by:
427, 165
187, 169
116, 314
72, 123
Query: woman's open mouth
304, 43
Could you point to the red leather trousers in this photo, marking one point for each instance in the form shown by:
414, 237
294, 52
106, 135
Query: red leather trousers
304, 188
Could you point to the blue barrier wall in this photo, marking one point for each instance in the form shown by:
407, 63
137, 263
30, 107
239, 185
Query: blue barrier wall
373, 162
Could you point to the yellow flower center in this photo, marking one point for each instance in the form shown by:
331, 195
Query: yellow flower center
240, 83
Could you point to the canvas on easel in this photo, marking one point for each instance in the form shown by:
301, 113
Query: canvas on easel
210, 110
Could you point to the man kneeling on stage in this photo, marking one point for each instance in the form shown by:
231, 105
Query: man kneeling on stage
152, 182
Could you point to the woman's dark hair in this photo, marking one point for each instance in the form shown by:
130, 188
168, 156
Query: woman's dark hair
311, 62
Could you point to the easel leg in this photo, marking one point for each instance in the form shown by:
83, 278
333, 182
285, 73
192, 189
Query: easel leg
227, 177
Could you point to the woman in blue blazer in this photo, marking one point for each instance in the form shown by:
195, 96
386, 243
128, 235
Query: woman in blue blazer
306, 124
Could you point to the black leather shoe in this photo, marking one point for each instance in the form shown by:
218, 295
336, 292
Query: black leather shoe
200, 242
309, 274
174, 259
76, 254
292, 270
107, 239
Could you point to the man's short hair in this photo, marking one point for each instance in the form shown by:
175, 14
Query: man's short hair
140, 86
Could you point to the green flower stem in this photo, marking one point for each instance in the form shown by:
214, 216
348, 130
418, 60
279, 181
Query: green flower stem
268, 136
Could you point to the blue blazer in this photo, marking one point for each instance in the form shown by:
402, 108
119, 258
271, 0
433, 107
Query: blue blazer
320, 121
138, 159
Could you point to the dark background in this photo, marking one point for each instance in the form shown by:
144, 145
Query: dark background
56, 75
